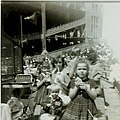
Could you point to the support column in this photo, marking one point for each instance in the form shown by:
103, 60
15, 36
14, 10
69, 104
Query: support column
43, 36
21, 39
21, 31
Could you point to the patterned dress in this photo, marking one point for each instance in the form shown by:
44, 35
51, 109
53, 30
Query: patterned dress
78, 107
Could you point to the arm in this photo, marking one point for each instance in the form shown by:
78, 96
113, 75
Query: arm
76, 86
98, 91
72, 65
39, 84
73, 92
45, 79
90, 91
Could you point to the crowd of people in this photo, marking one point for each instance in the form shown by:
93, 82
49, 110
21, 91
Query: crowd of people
66, 84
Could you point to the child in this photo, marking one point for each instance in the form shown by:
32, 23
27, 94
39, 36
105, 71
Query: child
61, 77
54, 108
97, 78
15, 104
43, 80
82, 93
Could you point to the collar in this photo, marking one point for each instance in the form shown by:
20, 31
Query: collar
85, 80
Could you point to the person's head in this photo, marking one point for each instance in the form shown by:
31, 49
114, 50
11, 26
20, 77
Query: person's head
45, 67
60, 63
54, 88
97, 76
82, 68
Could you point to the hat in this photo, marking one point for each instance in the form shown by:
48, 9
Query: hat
47, 116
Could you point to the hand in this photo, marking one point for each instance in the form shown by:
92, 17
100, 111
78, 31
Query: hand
46, 78
49, 104
85, 86
78, 81
59, 80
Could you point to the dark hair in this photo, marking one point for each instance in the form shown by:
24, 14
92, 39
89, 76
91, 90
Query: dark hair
62, 60
53, 62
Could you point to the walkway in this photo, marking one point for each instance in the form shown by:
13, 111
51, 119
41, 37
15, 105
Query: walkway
112, 98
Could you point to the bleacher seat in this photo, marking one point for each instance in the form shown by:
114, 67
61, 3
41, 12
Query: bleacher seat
23, 78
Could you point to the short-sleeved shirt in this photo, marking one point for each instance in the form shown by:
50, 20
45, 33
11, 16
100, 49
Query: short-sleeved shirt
81, 91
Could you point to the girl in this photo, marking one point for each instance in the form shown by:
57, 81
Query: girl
43, 80
82, 94
60, 77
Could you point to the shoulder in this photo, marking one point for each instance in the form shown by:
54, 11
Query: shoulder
92, 83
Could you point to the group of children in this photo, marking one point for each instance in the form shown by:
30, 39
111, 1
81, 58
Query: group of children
67, 92
72, 93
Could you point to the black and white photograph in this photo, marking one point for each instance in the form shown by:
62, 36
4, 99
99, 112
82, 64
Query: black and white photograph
60, 60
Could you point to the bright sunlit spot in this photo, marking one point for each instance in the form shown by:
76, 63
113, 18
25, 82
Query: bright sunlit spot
111, 26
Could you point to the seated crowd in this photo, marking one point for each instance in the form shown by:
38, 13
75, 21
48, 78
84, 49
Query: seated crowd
66, 87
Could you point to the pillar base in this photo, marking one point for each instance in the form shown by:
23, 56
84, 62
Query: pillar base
44, 52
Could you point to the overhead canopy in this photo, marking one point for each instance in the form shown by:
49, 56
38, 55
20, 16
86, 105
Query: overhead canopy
55, 15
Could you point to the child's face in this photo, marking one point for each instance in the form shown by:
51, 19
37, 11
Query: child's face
97, 77
45, 69
59, 64
54, 94
82, 70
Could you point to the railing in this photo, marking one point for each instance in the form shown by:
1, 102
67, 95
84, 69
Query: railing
117, 85
65, 27
56, 30
82, 46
